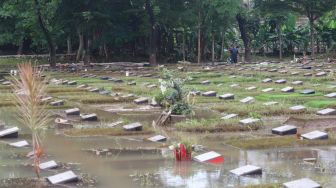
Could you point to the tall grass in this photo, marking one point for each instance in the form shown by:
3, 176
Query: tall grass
28, 91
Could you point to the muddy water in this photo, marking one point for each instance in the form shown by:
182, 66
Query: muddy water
155, 170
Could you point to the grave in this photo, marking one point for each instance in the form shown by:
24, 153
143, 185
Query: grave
308, 74
298, 108
247, 170
206, 82
209, 157
321, 74
267, 90
64, 177
45, 99
89, 117
331, 95
297, 82
270, 103
287, 89
133, 83
295, 73
82, 86
227, 96
267, 80
104, 92
249, 121
251, 88
64, 82
152, 86
247, 100
327, 111
115, 123
285, 130
57, 103
302, 183
94, 90
157, 138
72, 111
133, 127
104, 78
234, 85
141, 100
6, 83
209, 94
281, 81
315, 135
12, 132
229, 116
19, 144
307, 92
71, 83
48, 165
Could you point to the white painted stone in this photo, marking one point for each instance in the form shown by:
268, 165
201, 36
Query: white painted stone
157, 138
234, 85
141, 100
72, 111
45, 99
297, 108
251, 88
315, 135
327, 111
270, 103
285, 130
302, 183
82, 86
152, 86
227, 96
249, 121
20, 144
48, 165
281, 81
267, 90
89, 117
63, 177
287, 89
308, 74
206, 82
267, 80
95, 90
133, 127
247, 170
307, 91
247, 100
331, 95
207, 156
57, 103
209, 94
295, 73
72, 83
321, 74
10, 132
298, 82
229, 116
115, 123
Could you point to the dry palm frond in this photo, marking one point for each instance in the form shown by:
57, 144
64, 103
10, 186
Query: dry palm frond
29, 89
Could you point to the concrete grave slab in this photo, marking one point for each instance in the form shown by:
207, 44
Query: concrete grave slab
321, 74
331, 95
12, 132
157, 138
64, 177
211, 157
270, 103
72, 111
298, 108
19, 144
48, 165
89, 117
267, 90
251, 88
267, 80
247, 100
281, 81
141, 100
206, 82
302, 183
308, 92
327, 111
298, 82
315, 135
285, 130
209, 94
249, 121
227, 96
229, 116
247, 170
133, 127
287, 89
57, 103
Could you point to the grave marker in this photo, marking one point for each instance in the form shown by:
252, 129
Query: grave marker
249, 121
229, 116
20, 144
247, 100
64, 177
48, 165
210, 157
141, 100
157, 138
327, 111
267, 90
302, 183
287, 89
12, 132
247, 170
227, 96
89, 117
133, 127
209, 94
315, 135
72, 111
285, 130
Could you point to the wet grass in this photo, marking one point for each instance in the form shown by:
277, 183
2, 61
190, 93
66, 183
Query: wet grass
213, 125
106, 132
277, 142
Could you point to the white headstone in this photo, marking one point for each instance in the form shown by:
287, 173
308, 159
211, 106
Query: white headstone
287, 89
247, 100
229, 116
331, 95
133, 127
267, 90
285, 130
302, 183
227, 96
157, 138
9, 131
64, 177
48, 165
207, 156
249, 121
327, 111
270, 103
298, 108
247, 170
315, 135
20, 144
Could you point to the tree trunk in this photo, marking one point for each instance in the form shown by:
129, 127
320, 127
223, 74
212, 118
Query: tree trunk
312, 37
69, 45
153, 39
213, 49
20, 49
280, 41
106, 52
222, 47
80, 50
199, 39
87, 56
183, 46
52, 50
245, 37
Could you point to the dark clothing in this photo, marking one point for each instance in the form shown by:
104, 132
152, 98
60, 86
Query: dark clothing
234, 54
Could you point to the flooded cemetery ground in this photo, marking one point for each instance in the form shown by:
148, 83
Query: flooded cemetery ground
279, 117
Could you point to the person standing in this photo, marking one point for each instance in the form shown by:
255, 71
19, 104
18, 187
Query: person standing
234, 54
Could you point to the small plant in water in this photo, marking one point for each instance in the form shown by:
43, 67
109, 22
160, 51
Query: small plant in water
29, 89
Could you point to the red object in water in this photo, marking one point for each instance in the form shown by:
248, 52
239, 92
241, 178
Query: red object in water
217, 160
181, 153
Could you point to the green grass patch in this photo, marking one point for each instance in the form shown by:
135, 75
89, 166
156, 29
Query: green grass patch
321, 103
277, 142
